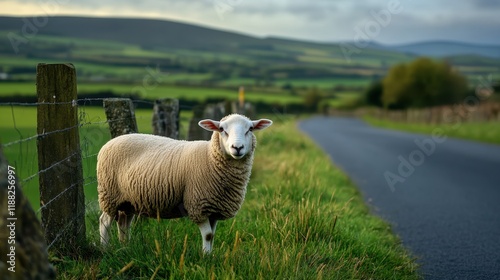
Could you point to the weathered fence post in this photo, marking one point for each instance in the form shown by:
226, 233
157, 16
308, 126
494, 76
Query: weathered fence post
246, 109
120, 115
195, 132
214, 112
166, 118
23, 232
59, 158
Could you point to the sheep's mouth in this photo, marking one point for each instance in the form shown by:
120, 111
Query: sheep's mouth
237, 155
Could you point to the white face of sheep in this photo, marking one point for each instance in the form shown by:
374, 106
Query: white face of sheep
235, 133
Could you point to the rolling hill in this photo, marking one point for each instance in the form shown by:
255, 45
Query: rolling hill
143, 32
444, 49
170, 34
120, 49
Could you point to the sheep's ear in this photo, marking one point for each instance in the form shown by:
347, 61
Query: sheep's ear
261, 124
209, 125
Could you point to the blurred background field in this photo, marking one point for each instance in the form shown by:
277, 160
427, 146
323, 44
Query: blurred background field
273, 71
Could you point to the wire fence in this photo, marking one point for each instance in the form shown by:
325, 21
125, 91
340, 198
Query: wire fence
93, 128
60, 172
93, 132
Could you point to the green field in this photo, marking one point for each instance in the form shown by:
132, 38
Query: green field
302, 219
488, 132
193, 93
273, 71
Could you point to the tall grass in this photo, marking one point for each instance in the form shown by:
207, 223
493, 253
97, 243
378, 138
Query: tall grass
302, 219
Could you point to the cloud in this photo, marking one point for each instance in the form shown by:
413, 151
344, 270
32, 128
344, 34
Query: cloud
319, 20
487, 4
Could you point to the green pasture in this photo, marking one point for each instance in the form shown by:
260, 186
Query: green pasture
343, 99
488, 132
155, 91
302, 219
325, 83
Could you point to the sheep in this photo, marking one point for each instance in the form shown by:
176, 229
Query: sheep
155, 176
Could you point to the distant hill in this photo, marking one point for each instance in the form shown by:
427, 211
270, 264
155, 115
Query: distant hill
443, 49
150, 33
142, 32
120, 49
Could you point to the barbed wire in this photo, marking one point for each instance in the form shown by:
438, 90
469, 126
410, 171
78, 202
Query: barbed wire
29, 178
82, 101
83, 122
36, 136
46, 204
65, 228
87, 140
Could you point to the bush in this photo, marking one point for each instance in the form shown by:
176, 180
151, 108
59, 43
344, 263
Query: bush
422, 83
373, 95
312, 99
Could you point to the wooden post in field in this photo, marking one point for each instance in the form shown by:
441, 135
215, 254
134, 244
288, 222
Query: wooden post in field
62, 199
195, 132
120, 115
166, 118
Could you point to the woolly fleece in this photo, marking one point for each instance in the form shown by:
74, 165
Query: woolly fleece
153, 175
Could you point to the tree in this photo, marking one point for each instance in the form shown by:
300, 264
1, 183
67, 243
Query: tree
312, 99
373, 95
422, 83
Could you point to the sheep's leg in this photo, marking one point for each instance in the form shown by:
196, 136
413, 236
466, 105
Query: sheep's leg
213, 225
124, 221
207, 235
104, 224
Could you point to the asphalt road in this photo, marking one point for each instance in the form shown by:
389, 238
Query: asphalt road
441, 195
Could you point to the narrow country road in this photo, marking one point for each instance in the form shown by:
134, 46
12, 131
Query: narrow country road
441, 195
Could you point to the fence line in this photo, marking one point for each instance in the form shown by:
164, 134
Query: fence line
29, 178
86, 142
37, 136
79, 125
68, 128
477, 111
83, 121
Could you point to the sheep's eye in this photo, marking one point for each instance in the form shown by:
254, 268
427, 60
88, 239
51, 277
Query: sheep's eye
221, 129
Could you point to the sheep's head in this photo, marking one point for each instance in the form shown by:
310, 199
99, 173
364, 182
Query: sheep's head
235, 133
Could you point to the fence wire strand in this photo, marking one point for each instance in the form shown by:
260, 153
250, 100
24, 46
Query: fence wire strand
84, 121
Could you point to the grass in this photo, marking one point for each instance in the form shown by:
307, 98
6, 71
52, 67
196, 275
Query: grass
302, 219
488, 132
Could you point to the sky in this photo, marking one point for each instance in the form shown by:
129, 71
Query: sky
389, 22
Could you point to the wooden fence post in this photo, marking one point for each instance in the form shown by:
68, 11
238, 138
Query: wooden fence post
59, 158
195, 132
120, 115
214, 112
166, 118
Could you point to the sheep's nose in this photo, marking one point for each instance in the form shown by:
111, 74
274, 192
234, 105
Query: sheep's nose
238, 149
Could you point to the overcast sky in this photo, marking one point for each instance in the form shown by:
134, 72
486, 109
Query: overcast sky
384, 21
